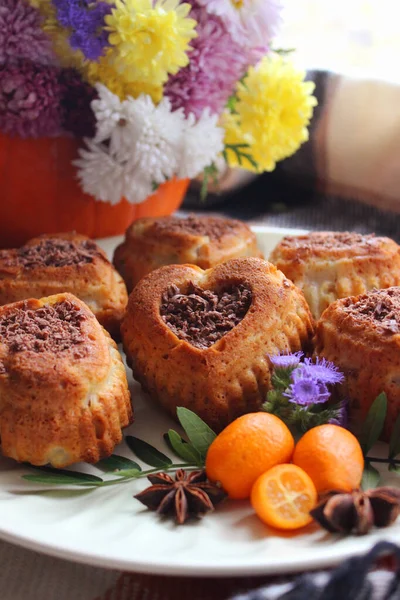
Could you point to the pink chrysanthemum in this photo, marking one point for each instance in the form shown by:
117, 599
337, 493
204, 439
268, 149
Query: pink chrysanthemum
21, 37
30, 97
217, 63
251, 22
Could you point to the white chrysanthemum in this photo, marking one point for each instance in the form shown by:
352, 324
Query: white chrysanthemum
203, 142
251, 22
103, 176
159, 147
113, 123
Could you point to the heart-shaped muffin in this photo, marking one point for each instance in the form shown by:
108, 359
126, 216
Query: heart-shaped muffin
201, 339
64, 395
65, 262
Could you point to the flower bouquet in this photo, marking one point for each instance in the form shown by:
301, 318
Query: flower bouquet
122, 101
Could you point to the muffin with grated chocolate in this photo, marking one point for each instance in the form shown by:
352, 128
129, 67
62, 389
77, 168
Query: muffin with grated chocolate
361, 335
201, 339
52, 264
151, 243
330, 265
64, 395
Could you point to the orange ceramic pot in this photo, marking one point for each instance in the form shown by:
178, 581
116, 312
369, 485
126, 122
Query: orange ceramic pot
39, 193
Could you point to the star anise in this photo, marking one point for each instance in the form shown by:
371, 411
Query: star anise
190, 494
357, 512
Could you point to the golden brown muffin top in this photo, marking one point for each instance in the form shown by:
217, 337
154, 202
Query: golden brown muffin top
202, 317
331, 244
51, 252
379, 307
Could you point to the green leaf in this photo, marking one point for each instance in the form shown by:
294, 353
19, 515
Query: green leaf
370, 478
198, 432
184, 450
63, 478
148, 453
394, 468
394, 443
373, 424
117, 463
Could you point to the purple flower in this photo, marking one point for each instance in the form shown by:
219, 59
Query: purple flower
30, 98
306, 390
86, 21
286, 361
21, 36
323, 370
77, 95
217, 63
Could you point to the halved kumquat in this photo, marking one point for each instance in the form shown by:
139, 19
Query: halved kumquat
283, 497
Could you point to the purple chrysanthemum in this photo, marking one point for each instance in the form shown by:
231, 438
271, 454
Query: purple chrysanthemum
30, 100
217, 63
76, 97
286, 361
306, 390
86, 22
21, 36
323, 370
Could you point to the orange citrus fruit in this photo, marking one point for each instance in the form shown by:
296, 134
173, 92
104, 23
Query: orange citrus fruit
283, 497
245, 449
332, 457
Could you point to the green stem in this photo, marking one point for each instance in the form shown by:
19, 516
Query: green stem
124, 479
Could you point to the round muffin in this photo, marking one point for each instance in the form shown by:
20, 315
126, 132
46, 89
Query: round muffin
151, 243
66, 262
330, 265
63, 390
201, 339
361, 335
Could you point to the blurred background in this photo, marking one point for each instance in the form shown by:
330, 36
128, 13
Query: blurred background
355, 37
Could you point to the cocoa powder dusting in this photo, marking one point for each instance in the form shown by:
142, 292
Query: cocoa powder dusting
213, 227
381, 306
55, 252
331, 240
47, 329
202, 317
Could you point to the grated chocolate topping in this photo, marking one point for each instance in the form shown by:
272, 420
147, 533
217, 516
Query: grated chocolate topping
202, 317
212, 227
55, 252
381, 306
47, 329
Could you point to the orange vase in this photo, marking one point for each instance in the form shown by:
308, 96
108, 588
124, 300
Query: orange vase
39, 193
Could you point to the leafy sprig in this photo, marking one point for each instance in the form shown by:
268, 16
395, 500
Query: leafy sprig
370, 434
241, 155
192, 451
210, 173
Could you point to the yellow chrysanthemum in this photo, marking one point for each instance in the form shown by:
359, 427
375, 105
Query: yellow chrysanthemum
45, 7
151, 42
271, 115
104, 72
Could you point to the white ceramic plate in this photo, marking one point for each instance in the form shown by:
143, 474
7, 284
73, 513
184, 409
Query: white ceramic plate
107, 527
